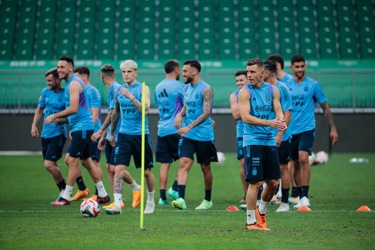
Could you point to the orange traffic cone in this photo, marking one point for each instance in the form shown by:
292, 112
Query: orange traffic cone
232, 208
364, 209
304, 209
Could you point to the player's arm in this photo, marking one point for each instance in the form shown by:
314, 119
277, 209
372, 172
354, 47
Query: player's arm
103, 128
328, 114
75, 89
34, 129
178, 119
115, 116
234, 107
133, 99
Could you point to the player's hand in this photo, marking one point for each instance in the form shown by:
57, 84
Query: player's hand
101, 143
49, 119
125, 92
278, 139
59, 121
334, 136
95, 136
183, 131
34, 131
112, 141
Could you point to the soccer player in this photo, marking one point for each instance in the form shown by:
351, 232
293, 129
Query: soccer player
129, 142
283, 137
169, 99
53, 137
197, 135
281, 75
108, 76
241, 80
258, 101
95, 104
305, 92
77, 110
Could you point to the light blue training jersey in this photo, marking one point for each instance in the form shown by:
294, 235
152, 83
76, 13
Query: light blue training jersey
287, 77
111, 105
81, 120
261, 107
286, 104
304, 96
95, 102
52, 102
131, 117
239, 123
194, 108
169, 100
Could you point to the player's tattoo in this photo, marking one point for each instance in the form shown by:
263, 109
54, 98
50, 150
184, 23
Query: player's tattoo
115, 117
118, 184
328, 114
138, 105
107, 120
207, 105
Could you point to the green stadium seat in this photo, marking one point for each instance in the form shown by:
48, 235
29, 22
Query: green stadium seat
26, 30
266, 29
8, 11
246, 30
206, 21
86, 30
307, 30
347, 30
126, 30
366, 22
146, 31
106, 35
186, 41
286, 30
166, 42
46, 32
326, 30
226, 30
66, 28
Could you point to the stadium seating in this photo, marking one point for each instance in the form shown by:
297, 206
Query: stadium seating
210, 29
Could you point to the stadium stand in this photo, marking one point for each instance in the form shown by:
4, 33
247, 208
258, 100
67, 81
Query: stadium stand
38, 31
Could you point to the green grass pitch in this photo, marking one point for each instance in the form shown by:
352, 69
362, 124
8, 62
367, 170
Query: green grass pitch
338, 189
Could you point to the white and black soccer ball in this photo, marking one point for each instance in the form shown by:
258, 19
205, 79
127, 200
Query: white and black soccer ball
220, 157
321, 157
89, 208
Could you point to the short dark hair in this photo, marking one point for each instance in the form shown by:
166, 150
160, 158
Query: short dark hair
82, 70
255, 61
297, 58
171, 65
278, 59
270, 66
67, 59
52, 72
193, 63
241, 72
108, 70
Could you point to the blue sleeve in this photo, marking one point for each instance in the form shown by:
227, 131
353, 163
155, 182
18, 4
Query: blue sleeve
42, 99
319, 95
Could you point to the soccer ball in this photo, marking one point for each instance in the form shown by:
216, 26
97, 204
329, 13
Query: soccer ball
89, 208
220, 157
321, 157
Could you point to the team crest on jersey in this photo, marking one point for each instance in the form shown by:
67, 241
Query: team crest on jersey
306, 88
268, 97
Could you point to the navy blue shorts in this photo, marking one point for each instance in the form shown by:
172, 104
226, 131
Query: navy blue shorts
167, 148
302, 142
284, 151
128, 145
240, 154
261, 163
205, 150
109, 153
52, 148
80, 145
95, 152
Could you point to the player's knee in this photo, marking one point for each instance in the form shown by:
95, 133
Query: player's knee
49, 165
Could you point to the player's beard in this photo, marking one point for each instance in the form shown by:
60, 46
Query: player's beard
189, 80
